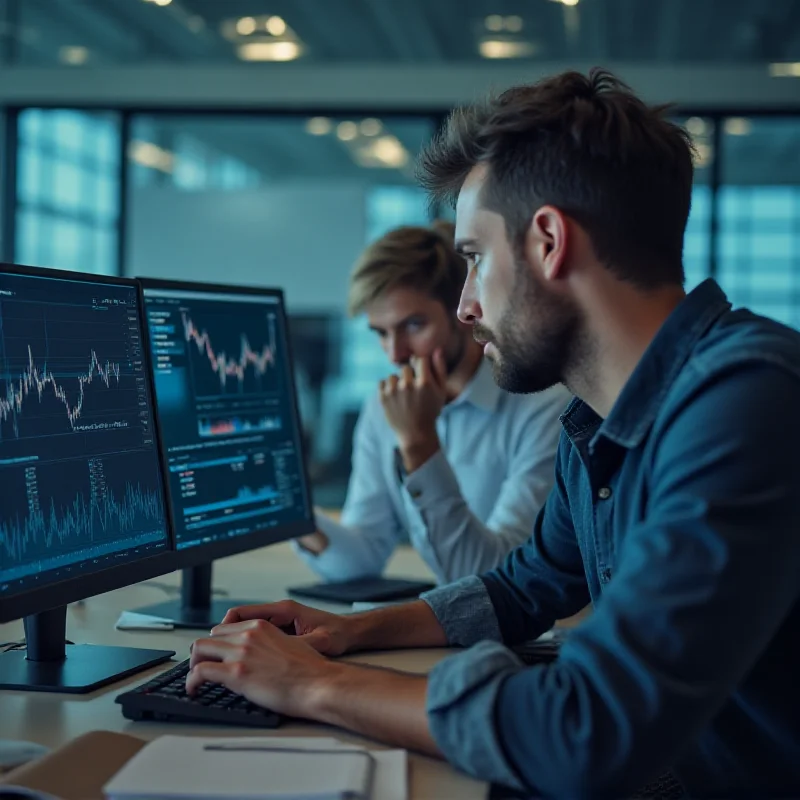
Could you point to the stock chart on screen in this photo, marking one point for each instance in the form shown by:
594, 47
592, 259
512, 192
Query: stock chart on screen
228, 417
80, 481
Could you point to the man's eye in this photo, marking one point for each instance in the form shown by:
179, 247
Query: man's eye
473, 259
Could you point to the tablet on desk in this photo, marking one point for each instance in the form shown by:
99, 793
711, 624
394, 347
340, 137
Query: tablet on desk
363, 590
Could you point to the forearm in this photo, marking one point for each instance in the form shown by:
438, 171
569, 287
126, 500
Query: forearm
396, 627
462, 545
380, 703
452, 539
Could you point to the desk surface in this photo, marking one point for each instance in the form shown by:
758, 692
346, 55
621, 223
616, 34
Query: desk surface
53, 719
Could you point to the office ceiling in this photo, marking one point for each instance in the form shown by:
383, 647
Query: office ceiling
96, 32
86, 34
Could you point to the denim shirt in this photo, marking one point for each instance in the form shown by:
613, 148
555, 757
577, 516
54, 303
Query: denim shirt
678, 518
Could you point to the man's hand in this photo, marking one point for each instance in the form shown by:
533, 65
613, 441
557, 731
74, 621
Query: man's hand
329, 634
255, 659
412, 403
285, 674
408, 625
315, 543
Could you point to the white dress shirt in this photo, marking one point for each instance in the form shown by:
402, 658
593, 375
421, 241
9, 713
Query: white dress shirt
467, 506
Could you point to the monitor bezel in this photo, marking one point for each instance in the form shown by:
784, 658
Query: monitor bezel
36, 599
205, 553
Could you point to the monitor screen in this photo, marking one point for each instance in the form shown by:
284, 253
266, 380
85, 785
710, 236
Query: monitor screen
80, 478
228, 415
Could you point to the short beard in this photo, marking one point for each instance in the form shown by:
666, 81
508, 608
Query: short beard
537, 339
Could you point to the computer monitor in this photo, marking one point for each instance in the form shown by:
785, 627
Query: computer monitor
230, 431
82, 498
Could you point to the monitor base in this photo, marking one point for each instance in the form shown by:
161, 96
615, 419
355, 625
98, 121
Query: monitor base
86, 668
183, 616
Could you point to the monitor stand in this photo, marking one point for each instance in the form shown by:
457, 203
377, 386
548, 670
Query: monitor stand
196, 608
49, 664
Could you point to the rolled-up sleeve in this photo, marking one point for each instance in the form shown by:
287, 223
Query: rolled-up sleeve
465, 611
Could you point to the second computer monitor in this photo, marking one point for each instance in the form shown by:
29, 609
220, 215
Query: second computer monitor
230, 429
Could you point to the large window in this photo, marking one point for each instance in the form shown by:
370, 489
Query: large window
67, 213
759, 216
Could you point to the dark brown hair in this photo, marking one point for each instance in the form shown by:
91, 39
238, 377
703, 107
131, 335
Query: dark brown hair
588, 146
412, 256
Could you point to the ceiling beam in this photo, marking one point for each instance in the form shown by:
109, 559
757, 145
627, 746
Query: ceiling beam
670, 31
373, 87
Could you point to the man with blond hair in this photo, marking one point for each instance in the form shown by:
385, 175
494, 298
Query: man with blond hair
441, 455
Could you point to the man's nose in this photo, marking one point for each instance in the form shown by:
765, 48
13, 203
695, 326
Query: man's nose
469, 310
398, 351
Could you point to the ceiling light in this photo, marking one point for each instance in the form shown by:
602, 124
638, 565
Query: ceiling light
567, 2
494, 22
245, 26
387, 152
73, 55
696, 126
269, 51
390, 151
160, 2
370, 127
319, 126
738, 126
347, 131
790, 69
275, 26
505, 48
514, 24
151, 155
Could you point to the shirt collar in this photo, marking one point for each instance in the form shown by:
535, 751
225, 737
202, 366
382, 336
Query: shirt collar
641, 397
481, 391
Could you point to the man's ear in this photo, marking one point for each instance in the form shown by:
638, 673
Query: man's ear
546, 242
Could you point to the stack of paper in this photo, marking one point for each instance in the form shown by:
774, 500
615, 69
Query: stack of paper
278, 768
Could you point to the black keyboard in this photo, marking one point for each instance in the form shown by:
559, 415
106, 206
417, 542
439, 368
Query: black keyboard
164, 699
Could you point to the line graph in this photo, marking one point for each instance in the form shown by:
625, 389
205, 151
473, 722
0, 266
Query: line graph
224, 367
99, 524
36, 381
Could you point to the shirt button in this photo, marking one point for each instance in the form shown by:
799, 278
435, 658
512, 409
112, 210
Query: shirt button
604, 493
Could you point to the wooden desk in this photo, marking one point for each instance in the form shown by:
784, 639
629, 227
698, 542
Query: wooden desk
53, 719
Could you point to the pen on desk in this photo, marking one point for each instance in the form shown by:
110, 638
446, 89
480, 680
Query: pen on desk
257, 748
